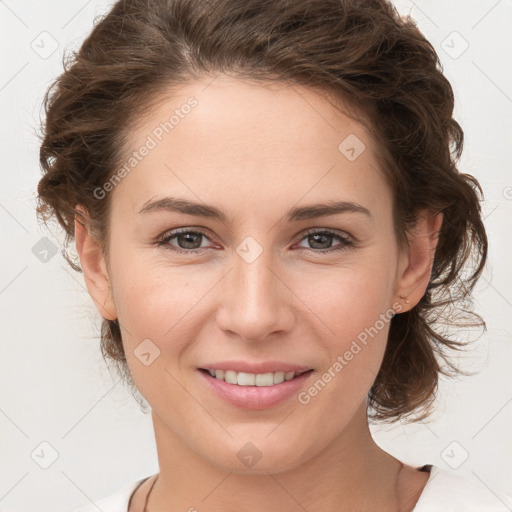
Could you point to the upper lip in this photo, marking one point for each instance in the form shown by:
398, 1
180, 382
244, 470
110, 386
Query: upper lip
264, 367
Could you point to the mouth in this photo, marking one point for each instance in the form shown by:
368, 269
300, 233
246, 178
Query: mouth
255, 391
253, 379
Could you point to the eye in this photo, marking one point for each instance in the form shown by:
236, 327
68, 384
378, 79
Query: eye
188, 241
322, 240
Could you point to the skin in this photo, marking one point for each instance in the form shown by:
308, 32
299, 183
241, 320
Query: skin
255, 151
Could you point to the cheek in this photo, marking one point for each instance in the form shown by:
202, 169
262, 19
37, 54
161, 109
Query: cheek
355, 347
359, 341
354, 314
154, 303
349, 300
157, 304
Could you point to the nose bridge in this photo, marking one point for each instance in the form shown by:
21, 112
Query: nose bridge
256, 302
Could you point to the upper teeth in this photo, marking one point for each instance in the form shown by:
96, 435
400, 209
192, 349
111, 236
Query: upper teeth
252, 379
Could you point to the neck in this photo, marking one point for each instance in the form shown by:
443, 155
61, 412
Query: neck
351, 473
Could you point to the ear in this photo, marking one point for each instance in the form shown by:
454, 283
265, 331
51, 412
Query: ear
416, 269
94, 266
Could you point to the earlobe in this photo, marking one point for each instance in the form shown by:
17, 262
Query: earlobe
94, 267
423, 240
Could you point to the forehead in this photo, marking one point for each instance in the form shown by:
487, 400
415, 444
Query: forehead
223, 138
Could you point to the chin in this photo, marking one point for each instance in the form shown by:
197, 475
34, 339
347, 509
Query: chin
259, 457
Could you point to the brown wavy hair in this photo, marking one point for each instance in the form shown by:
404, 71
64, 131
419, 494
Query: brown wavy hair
361, 52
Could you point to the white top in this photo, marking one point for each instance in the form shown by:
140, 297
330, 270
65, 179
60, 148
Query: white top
444, 492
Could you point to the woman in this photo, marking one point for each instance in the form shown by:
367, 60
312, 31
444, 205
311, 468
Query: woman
268, 214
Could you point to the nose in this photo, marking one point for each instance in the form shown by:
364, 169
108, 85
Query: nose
255, 300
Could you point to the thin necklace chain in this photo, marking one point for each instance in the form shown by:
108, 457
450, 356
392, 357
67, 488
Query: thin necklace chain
153, 484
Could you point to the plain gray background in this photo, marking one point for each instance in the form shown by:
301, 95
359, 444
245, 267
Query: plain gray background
55, 388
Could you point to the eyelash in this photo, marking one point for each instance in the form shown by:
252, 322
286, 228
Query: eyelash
167, 237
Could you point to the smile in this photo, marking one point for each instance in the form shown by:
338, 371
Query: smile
253, 379
254, 391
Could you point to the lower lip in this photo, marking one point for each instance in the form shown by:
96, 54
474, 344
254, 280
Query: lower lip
255, 397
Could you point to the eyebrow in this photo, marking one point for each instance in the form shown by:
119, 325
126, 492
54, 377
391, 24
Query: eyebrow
292, 215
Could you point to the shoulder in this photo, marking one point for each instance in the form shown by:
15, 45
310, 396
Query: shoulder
116, 502
448, 492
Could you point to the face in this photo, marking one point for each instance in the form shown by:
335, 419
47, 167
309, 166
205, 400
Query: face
268, 280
